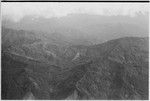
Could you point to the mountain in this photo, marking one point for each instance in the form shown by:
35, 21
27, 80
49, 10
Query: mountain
22, 76
118, 67
85, 29
35, 66
75, 57
50, 49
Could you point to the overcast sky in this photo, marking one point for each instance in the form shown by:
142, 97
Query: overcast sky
55, 9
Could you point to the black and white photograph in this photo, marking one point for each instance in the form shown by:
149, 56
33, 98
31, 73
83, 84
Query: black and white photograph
74, 51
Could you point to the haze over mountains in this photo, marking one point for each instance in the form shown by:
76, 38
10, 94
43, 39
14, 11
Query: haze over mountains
88, 27
76, 57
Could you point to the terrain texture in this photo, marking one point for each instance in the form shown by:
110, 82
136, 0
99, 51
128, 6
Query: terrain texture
35, 67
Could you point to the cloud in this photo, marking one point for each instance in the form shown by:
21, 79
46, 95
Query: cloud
57, 9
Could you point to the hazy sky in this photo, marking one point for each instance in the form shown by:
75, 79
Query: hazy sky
55, 9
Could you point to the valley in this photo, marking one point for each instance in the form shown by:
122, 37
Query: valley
33, 68
77, 56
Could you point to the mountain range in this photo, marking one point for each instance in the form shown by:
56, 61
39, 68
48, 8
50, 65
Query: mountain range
84, 28
76, 57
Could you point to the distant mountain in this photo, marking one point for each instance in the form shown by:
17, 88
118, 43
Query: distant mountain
29, 44
85, 29
52, 48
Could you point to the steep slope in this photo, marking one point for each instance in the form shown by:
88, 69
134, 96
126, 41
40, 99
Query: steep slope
27, 78
66, 81
22, 76
117, 69
35, 68
30, 65
12, 37
39, 47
